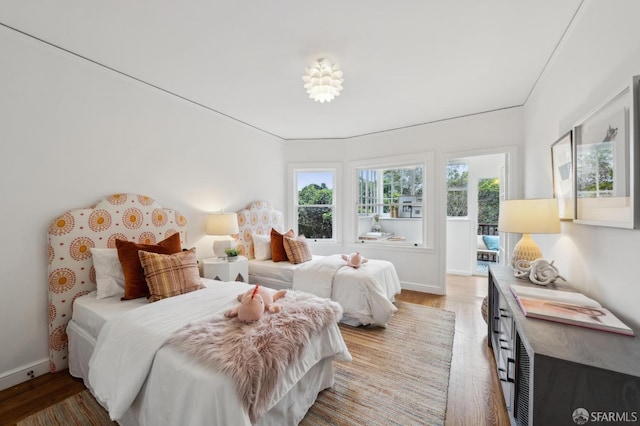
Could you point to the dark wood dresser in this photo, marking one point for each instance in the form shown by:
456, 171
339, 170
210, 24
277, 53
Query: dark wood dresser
552, 372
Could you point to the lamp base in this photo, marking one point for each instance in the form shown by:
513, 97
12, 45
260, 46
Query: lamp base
220, 245
525, 249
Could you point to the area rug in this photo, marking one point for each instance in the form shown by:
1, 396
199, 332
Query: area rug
78, 410
399, 376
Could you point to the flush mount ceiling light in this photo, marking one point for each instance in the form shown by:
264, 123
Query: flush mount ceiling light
323, 80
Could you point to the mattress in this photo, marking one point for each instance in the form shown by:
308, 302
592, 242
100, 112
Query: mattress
175, 374
91, 314
281, 271
366, 294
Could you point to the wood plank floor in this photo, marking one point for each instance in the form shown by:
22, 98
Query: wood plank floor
475, 396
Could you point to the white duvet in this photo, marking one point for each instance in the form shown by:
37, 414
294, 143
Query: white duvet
130, 355
365, 294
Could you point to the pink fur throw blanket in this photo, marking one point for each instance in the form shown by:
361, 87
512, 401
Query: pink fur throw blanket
256, 355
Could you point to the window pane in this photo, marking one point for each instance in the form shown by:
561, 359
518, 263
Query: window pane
315, 188
457, 181
315, 222
315, 203
386, 198
488, 201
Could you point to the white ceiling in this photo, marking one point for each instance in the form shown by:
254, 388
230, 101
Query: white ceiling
405, 62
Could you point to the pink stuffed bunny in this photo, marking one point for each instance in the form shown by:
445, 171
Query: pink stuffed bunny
355, 260
254, 302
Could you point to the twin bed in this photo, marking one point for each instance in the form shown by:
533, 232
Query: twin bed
365, 294
126, 350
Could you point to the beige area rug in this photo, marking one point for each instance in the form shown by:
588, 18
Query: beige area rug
399, 376
78, 410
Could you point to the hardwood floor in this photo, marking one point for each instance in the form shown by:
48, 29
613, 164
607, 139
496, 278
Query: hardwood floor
475, 396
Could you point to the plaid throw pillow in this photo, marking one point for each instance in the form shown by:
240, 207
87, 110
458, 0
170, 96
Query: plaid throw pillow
169, 275
297, 249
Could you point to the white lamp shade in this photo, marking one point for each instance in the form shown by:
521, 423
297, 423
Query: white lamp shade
222, 224
536, 216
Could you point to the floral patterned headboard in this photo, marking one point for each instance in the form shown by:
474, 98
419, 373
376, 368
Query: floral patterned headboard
130, 217
258, 218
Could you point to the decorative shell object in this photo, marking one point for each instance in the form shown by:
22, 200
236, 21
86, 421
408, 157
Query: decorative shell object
540, 271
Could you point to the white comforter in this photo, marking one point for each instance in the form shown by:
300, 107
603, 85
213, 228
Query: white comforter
129, 347
365, 294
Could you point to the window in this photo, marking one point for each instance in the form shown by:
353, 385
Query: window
385, 197
314, 203
382, 191
457, 188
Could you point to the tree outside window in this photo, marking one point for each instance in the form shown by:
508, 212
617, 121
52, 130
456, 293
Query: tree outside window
315, 203
488, 200
457, 189
379, 190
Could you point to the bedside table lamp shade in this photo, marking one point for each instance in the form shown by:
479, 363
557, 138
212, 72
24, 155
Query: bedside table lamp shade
526, 217
223, 225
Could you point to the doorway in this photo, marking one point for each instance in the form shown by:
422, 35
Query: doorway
475, 185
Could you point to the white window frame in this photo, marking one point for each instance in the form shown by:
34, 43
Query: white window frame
457, 189
424, 159
293, 170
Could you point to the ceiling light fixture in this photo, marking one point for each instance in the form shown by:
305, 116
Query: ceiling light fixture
323, 80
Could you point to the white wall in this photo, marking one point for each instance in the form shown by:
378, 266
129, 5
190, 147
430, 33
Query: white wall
73, 132
599, 56
419, 268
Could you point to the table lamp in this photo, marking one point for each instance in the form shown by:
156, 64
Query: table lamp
223, 225
526, 217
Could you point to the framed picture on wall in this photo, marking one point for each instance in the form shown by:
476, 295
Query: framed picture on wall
606, 164
562, 173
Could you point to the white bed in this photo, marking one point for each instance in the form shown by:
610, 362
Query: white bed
366, 294
165, 386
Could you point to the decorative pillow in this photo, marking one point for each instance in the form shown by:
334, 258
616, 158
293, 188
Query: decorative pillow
261, 247
278, 254
169, 275
297, 249
481, 244
135, 285
109, 276
492, 241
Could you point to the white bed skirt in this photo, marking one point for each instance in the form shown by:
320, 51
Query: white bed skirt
289, 410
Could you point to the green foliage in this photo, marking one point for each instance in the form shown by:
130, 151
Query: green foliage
457, 181
488, 200
231, 252
315, 194
315, 221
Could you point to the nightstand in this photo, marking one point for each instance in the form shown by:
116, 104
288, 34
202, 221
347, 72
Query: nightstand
219, 269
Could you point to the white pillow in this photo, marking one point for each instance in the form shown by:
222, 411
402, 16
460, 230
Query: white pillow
109, 275
261, 246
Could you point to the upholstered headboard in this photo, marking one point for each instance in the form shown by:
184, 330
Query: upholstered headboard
258, 218
130, 217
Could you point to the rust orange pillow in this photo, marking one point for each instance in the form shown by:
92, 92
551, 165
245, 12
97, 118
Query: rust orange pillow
278, 253
135, 285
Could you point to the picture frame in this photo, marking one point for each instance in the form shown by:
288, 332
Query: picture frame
605, 156
406, 205
562, 175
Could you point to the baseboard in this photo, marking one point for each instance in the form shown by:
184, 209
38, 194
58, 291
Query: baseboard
456, 272
422, 288
24, 373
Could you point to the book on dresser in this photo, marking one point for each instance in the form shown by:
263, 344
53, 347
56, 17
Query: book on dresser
567, 307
